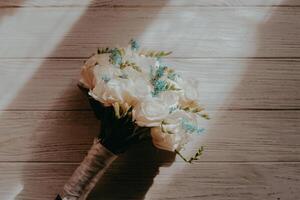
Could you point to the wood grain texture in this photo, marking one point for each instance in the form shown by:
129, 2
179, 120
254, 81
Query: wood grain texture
245, 55
232, 181
141, 3
212, 32
223, 83
65, 136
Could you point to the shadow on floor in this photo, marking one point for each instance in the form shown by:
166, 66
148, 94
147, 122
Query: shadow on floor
132, 174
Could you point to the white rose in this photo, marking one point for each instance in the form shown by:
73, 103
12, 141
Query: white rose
150, 112
162, 140
170, 98
176, 130
182, 121
190, 89
88, 77
139, 87
111, 91
125, 91
153, 110
106, 73
166, 141
140, 90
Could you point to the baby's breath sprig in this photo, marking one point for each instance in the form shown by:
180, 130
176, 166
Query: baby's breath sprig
193, 158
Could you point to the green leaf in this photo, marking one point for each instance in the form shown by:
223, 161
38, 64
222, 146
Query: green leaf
130, 64
103, 50
117, 110
156, 54
193, 158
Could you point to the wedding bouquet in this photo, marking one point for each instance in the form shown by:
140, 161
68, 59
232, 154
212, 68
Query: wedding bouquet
135, 96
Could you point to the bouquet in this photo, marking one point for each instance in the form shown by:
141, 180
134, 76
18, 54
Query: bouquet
135, 96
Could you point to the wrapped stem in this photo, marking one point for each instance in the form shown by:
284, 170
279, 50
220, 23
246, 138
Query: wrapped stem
116, 136
89, 172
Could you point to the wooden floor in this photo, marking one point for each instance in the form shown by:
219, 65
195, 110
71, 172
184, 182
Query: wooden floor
245, 54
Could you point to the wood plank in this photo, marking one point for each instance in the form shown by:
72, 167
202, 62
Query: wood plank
234, 181
140, 3
229, 136
252, 148
36, 84
212, 32
46, 136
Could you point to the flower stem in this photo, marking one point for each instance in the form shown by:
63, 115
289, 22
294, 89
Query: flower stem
191, 159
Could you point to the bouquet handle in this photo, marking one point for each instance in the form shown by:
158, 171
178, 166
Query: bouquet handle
89, 172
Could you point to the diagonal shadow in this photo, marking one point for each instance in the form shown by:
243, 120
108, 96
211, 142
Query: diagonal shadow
132, 174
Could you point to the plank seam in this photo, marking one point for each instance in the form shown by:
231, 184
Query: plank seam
151, 6
170, 57
89, 110
199, 162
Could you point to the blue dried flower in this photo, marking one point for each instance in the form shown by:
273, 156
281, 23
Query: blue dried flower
160, 71
173, 76
116, 56
105, 78
159, 86
134, 45
189, 127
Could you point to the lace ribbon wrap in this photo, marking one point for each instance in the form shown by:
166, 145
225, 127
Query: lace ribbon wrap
88, 173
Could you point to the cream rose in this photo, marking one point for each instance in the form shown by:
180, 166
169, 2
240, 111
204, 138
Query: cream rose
110, 91
168, 142
152, 111
176, 130
141, 90
189, 89
88, 77
124, 91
